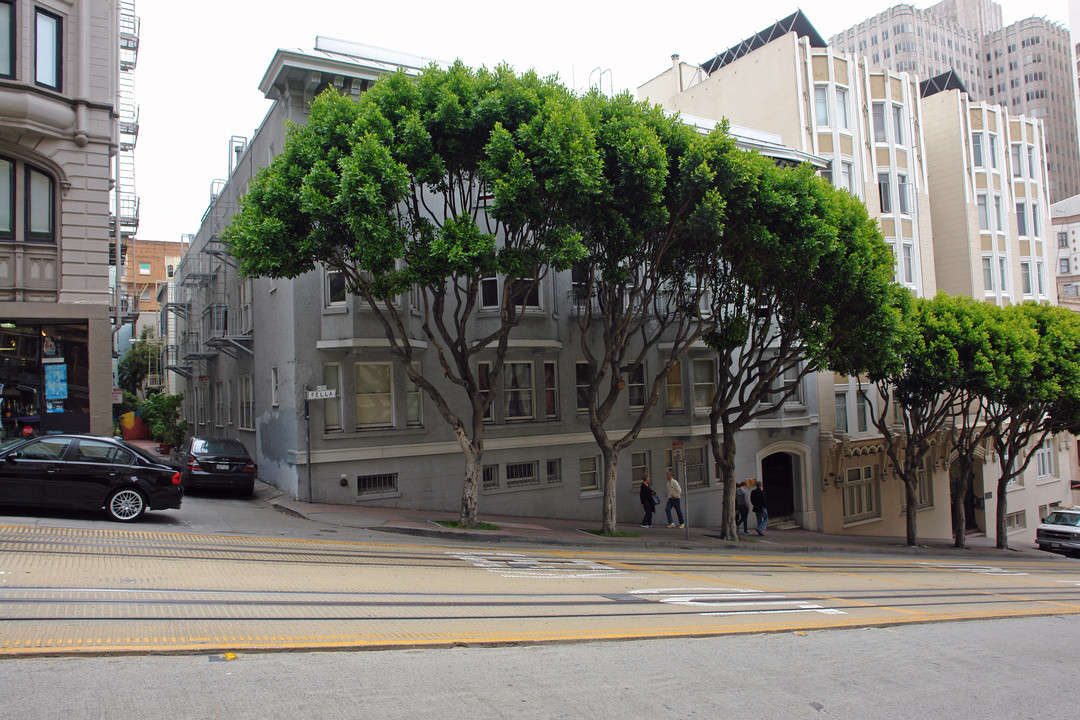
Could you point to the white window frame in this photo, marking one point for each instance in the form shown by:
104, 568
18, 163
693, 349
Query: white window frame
483, 386
977, 150
640, 463
589, 473
551, 390
516, 372
635, 385
330, 292
582, 371
385, 393
247, 403
704, 387
842, 108
862, 494
821, 105
331, 377
414, 400
675, 388
1044, 459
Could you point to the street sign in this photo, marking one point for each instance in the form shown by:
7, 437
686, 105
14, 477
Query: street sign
321, 393
117, 396
676, 451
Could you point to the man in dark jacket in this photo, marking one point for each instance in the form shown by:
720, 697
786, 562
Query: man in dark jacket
646, 495
757, 500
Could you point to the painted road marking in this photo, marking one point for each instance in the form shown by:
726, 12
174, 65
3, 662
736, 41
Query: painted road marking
974, 569
758, 601
510, 564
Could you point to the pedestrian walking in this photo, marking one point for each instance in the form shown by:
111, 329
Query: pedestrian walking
648, 501
674, 500
761, 510
742, 507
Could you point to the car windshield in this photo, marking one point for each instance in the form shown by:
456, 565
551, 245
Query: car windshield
1061, 518
217, 446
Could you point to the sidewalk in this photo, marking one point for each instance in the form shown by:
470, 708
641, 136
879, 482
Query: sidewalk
554, 531
526, 530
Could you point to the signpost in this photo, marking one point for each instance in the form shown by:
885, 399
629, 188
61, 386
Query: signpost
321, 392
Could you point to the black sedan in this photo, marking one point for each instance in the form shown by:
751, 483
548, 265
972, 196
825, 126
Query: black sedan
217, 463
84, 472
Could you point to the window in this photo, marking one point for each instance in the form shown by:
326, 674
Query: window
483, 383
821, 105
993, 151
554, 472
639, 465
1039, 276
924, 492
862, 412
588, 473
999, 225
551, 391
40, 201
228, 401
1021, 218
414, 400
884, 192
977, 149
635, 387
674, 387
335, 288
144, 268
845, 178
1016, 520
984, 213
1031, 162
247, 404
909, 263
48, 46
898, 124
376, 484
1063, 240
584, 377
1017, 165
704, 385
696, 477
517, 391
374, 395
860, 494
7, 197
525, 293
219, 405
1063, 266
7, 38
1025, 277
274, 400
841, 411
99, 451
1004, 273
1044, 459
1034, 220
879, 123
842, 108
521, 474
988, 274
902, 191
491, 477
331, 377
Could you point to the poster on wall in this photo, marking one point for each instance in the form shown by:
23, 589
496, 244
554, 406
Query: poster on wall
56, 389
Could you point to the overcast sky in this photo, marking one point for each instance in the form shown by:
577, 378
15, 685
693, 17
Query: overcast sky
200, 61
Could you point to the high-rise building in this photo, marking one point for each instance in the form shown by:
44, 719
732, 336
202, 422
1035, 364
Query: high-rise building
1026, 67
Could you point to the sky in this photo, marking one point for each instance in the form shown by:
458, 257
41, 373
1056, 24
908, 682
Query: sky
200, 61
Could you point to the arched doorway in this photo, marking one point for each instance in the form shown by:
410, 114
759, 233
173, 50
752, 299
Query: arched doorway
778, 475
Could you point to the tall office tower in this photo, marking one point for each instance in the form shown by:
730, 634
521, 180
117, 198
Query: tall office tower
1025, 67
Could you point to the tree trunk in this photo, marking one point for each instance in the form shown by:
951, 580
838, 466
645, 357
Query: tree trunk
1002, 540
470, 489
911, 492
958, 491
724, 454
611, 476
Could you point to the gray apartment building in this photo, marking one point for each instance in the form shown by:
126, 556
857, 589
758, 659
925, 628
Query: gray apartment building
249, 351
1026, 66
60, 74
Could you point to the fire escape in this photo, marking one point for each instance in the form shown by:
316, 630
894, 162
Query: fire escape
124, 202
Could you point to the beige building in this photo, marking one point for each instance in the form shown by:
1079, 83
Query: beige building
936, 167
1026, 66
59, 83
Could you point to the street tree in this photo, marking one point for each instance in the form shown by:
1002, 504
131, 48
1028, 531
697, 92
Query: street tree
918, 392
137, 362
799, 260
651, 234
1041, 400
1001, 353
453, 188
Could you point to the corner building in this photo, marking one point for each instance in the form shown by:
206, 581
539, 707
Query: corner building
983, 234
248, 350
59, 82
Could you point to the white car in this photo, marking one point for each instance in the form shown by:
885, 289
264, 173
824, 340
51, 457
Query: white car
1060, 532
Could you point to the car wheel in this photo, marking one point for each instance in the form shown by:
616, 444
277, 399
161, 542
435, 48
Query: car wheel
247, 490
125, 505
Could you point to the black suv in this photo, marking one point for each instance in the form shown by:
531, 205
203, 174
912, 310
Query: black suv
219, 463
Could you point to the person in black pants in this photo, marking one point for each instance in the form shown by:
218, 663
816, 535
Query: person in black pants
646, 495
757, 500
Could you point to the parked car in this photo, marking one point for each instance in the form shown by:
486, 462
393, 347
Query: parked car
1060, 532
219, 463
85, 472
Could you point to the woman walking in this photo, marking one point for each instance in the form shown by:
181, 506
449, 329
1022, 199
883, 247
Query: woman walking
647, 502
